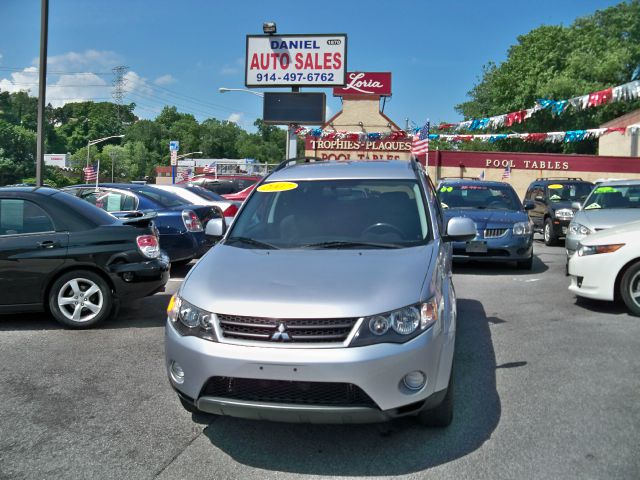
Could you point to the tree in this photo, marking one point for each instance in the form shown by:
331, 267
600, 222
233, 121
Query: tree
594, 53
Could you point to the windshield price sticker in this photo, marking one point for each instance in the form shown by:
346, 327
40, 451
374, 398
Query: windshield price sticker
277, 187
606, 190
296, 60
555, 186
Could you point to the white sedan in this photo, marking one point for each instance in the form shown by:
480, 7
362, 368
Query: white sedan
201, 196
606, 265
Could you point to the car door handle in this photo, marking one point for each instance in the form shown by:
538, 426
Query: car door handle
47, 244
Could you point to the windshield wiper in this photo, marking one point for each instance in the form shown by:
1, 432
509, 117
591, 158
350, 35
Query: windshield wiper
250, 241
346, 244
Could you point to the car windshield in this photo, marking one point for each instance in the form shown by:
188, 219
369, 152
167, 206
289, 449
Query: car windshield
204, 193
568, 192
613, 196
333, 214
477, 196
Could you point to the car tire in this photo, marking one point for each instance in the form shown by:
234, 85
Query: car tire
442, 415
550, 237
630, 289
68, 295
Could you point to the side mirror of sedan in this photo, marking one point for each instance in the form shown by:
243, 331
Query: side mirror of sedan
460, 229
215, 227
576, 205
529, 205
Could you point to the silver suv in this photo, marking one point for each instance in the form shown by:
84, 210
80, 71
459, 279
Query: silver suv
329, 300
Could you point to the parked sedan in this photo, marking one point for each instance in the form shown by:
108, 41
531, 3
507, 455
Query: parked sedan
201, 196
504, 232
224, 184
63, 255
179, 223
607, 265
609, 204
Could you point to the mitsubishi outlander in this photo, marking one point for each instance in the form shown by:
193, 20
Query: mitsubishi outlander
329, 300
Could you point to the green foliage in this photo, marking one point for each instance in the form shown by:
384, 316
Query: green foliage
595, 52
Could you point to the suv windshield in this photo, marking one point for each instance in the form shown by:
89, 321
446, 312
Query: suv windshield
333, 214
568, 192
477, 196
614, 196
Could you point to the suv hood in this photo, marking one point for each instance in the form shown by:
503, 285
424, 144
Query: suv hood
325, 283
488, 218
607, 217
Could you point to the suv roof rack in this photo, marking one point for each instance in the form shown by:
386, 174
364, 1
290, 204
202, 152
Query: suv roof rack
558, 178
460, 178
294, 161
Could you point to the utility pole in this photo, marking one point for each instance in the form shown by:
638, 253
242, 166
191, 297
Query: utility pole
42, 88
119, 83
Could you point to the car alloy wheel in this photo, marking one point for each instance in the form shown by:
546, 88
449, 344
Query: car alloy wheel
547, 233
634, 289
630, 288
80, 300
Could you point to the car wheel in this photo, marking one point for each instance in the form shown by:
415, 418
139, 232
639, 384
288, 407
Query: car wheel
630, 288
525, 264
442, 415
80, 299
550, 238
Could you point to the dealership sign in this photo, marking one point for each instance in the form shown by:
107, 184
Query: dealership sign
365, 83
296, 60
353, 150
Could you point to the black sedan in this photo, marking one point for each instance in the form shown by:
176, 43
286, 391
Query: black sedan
61, 254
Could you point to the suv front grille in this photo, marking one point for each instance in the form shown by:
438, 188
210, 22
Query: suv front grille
494, 232
282, 391
309, 330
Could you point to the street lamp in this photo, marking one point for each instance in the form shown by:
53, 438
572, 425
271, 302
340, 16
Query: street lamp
99, 140
225, 90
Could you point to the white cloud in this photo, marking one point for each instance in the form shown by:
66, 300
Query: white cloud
233, 69
164, 80
77, 77
235, 117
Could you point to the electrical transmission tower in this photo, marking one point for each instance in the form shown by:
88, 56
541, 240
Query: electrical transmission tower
119, 83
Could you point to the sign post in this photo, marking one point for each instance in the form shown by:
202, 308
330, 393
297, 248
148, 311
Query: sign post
174, 146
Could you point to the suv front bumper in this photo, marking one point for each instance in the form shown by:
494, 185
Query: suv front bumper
376, 369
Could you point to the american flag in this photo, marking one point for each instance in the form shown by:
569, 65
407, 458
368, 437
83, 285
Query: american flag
90, 173
481, 177
420, 142
211, 168
186, 174
507, 172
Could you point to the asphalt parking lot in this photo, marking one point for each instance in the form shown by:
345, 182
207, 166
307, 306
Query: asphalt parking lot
547, 387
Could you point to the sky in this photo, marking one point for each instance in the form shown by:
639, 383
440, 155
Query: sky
180, 52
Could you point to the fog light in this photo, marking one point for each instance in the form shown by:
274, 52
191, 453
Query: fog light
414, 380
177, 374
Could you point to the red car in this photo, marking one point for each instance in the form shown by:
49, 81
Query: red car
242, 195
224, 184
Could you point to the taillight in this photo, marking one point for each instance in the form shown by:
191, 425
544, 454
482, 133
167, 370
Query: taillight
191, 221
231, 210
148, 246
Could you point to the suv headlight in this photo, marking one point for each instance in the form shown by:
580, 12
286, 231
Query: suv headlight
522, 228
397, 326
564, 214
585, 250
190, 320
578, 229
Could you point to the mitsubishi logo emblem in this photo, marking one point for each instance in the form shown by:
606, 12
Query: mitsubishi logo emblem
281, 334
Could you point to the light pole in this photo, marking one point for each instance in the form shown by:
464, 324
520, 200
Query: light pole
99, 140
225, 90
182, 156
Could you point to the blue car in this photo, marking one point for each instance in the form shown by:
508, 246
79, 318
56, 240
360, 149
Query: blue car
504, 232
181, 226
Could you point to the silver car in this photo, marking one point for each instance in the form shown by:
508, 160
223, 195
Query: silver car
609, 204
346, 311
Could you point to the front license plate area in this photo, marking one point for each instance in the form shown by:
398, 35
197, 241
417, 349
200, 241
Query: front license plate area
476, 246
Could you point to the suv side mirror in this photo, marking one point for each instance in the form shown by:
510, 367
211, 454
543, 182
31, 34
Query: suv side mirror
539, 198
460, 229
529, 205
215, 227
576, 205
